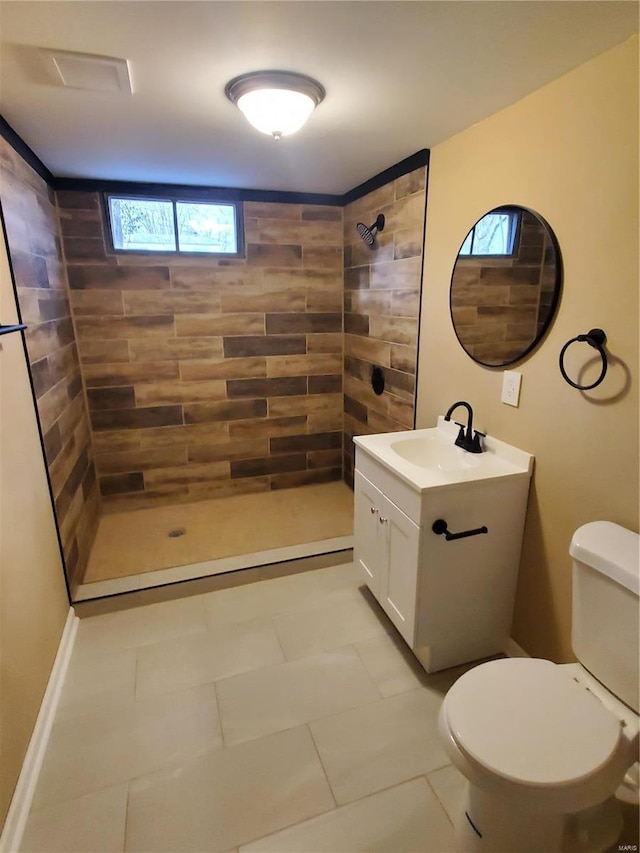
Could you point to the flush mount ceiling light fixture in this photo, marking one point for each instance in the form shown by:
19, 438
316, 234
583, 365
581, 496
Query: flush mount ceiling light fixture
275, 102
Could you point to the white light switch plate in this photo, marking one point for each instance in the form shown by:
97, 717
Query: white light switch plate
511, 387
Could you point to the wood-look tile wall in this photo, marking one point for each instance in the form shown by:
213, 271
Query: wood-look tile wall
499, 304
34, 248
209, 377
381, 309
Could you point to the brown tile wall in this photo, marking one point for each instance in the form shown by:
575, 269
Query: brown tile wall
497, 303
382, 306
209, 377
34, 247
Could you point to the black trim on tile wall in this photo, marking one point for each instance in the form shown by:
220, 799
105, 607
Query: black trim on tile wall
420, 158
19, 145
3, 232
188, 192
424, 242
185, 191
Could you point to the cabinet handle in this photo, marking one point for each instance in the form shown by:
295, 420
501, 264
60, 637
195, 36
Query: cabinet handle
373, 510
382, 520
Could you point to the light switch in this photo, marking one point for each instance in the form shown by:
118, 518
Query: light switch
511, 387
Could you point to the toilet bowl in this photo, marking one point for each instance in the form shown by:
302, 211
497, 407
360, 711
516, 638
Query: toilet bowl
545, 746
536, 746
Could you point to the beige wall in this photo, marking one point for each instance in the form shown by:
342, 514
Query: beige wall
570, 152
33, 599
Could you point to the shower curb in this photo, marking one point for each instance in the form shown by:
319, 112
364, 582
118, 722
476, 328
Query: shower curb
209, 568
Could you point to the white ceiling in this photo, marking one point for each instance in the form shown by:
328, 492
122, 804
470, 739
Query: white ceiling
400, 77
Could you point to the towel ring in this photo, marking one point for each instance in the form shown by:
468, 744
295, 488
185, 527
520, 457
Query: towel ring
596, 338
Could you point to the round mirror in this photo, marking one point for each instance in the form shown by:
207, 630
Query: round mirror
505, 285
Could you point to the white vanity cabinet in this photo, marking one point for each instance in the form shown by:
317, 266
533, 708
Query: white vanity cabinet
451, 599
387, 548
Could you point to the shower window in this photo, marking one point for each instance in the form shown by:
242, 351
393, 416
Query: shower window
173, 225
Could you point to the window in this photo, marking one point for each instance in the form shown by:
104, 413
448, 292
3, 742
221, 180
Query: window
494, 234
169, 225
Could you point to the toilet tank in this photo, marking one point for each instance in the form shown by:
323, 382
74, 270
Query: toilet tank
606, 591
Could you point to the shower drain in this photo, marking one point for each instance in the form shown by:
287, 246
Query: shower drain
176, 532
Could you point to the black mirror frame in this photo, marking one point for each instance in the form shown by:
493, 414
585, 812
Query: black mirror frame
557, 290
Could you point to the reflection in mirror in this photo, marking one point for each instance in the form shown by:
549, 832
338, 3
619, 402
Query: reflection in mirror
505, 285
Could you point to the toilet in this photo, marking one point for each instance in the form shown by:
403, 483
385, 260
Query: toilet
545, 747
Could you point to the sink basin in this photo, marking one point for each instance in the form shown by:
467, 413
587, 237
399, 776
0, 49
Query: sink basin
431, 451
429, 457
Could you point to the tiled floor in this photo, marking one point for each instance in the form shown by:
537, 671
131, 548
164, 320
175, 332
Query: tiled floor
214, 534
283, 715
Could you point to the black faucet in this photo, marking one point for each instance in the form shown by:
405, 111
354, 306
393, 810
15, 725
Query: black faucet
469, 441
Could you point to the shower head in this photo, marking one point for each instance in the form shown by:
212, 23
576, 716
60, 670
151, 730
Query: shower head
368, 233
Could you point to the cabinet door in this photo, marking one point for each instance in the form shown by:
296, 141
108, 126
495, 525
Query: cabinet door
368, 539
399, 578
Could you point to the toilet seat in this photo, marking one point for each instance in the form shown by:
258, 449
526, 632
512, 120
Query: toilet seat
526, 722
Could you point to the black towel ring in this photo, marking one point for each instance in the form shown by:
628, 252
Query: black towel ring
596, 338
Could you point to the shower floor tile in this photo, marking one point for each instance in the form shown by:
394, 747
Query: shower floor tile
151, 540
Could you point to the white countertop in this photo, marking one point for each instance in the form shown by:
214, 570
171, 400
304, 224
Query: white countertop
428, 457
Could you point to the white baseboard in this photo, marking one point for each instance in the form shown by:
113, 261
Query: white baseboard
511, 650
15, 823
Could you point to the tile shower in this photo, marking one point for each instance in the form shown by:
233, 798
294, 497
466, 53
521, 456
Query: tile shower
210, 377
163, 380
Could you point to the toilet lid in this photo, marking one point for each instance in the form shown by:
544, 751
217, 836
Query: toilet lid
527, 721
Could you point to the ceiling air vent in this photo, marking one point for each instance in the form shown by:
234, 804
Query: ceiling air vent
89, 71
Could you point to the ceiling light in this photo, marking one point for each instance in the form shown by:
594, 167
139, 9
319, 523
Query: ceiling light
275, 102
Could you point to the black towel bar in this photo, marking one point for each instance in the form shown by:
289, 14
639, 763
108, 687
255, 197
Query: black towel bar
440, 527
5, 330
